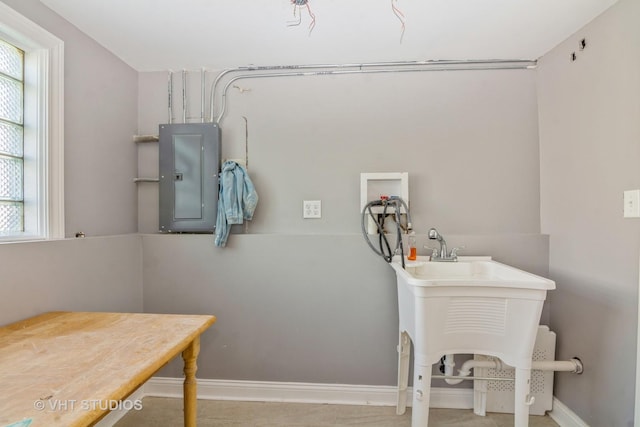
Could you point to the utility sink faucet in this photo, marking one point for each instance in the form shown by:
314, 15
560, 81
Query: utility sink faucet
442, 254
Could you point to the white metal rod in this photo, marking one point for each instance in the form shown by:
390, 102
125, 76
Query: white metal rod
453, 377
170, 93
184, 96
440, 66
202, 94
449, 64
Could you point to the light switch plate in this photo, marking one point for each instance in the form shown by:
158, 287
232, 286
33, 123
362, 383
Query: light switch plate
632, 204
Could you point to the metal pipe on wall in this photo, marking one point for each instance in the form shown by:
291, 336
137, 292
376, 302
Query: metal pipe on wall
423, 67
449, 65
184, 96
219, 77
203, 77
170, 93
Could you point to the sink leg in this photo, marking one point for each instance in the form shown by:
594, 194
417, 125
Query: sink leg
480, 388
404, 349
421, 395
522, 397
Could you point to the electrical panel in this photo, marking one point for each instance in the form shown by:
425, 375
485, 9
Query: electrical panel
189, 177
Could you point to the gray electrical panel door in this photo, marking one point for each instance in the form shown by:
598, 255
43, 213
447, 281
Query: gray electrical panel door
189, 170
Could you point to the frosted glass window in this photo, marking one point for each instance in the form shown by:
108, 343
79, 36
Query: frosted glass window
10, 99
11, 216
11, 183
11, 59
11, 139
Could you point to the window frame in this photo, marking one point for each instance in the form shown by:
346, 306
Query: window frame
43, 126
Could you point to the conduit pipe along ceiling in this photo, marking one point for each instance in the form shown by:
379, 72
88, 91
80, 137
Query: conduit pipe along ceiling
306, 70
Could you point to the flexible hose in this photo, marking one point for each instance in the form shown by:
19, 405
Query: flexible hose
387, 255
384, 248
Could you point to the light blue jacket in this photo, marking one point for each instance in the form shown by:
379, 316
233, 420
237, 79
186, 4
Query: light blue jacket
237, 200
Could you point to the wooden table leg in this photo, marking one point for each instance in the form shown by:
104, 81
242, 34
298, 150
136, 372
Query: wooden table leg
190, 355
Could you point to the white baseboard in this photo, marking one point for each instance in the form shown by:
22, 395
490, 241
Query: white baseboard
339, 394
564, 416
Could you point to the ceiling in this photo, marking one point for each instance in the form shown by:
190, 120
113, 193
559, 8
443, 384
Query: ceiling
154, 35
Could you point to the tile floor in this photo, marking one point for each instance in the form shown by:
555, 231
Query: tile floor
167, 412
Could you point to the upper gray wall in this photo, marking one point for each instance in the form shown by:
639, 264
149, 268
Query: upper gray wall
467, 138
100, 110
590, 150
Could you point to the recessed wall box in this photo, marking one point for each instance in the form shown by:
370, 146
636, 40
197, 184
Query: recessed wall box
189, 171
373, 186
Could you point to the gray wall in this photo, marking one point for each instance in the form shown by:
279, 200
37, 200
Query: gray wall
589, 138
295, 307
102, 273
100, 109
91, 274
307, 300
469, 140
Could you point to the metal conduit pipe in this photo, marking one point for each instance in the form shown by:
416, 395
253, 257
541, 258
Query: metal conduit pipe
573, 365
219, 77
203, 78
435, 65
303, 67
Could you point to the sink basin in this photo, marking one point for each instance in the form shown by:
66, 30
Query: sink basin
477, 271
473, 306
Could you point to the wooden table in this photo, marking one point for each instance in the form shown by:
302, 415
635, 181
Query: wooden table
70, 369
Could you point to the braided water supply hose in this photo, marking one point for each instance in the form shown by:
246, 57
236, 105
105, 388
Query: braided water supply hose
390, 206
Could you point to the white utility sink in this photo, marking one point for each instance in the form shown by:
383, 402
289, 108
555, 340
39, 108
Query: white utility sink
472, 306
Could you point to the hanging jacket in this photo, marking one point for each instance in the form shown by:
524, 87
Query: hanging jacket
237, 200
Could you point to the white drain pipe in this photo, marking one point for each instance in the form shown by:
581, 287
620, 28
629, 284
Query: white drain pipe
573, 365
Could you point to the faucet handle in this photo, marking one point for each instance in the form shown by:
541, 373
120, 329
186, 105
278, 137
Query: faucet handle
454, 251
434, 251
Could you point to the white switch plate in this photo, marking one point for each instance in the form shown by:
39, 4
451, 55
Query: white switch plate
632, 204
311, 209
